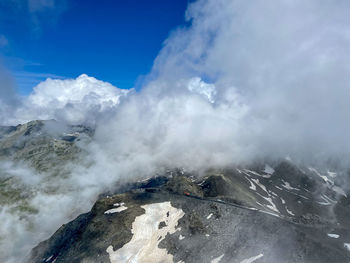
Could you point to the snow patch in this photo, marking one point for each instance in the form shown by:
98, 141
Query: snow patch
210, 215
217, 260
333, 235
120, 208
288, 186
347, 246
272, 205
49, 258
290, 212
252, 172
273, 193
328, 201
325, 178
257, 182
252, 186
252, 259
143, 247
267, 175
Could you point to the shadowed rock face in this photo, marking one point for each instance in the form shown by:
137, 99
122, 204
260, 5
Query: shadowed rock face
232, 215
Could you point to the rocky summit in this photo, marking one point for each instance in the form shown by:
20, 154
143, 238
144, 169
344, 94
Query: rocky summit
265, 212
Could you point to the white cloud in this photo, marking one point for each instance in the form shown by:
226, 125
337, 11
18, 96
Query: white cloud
200, 87
36, 12
83, 89
287, 60
40, 5
79, 100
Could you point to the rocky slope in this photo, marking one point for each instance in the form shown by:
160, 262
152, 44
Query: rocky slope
43, 143
34, 169
280, 214
266, 212
46, 146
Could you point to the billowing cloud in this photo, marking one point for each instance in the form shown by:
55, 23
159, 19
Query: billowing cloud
287, 61
81, 100
277, 85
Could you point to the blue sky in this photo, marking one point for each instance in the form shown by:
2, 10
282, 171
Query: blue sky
115, 41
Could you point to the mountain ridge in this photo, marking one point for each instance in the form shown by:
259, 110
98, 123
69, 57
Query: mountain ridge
263, 212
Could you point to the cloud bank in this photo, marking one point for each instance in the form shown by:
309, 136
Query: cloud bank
285, 63
276, 84
74, 101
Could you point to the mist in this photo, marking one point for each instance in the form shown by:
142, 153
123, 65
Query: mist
243, 80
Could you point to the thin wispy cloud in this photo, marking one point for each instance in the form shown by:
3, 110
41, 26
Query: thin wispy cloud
3, 41
36, 13
27, 79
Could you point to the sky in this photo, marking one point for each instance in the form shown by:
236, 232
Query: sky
116, 41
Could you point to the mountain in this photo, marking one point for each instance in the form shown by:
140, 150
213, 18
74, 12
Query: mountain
45, 145
276, 211
281, 214
42, 143
34, 169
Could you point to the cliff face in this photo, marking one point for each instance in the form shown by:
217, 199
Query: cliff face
234, 215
